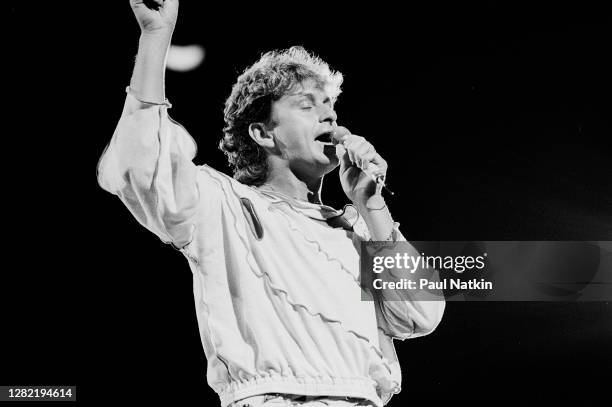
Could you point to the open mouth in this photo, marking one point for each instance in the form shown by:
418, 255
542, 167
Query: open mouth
325, 138
327, 141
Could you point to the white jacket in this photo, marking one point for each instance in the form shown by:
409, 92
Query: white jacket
276, 289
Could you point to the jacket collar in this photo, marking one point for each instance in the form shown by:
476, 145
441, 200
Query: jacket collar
345, 217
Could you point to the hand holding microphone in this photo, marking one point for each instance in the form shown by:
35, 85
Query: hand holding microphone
361, 154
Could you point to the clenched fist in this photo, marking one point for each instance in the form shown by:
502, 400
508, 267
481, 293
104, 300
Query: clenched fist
360, 164
155, 16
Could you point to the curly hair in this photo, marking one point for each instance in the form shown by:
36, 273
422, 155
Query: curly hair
266, 81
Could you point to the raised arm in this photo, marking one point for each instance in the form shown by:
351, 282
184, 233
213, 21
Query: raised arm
157, 20
148, 162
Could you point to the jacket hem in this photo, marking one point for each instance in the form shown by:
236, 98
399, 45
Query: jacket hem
333, 387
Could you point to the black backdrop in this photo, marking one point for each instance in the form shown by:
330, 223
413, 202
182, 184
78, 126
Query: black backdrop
495, 119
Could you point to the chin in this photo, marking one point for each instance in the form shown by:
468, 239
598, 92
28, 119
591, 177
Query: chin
332, 164
317, 166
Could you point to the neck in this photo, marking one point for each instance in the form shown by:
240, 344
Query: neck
283, 180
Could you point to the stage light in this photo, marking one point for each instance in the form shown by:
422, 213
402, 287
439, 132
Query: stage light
182, 58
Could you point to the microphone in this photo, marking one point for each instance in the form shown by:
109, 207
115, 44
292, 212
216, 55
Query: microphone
371, 169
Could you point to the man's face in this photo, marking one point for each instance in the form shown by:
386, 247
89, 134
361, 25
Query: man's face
303, 120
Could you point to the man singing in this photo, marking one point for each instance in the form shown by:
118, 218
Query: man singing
276, 272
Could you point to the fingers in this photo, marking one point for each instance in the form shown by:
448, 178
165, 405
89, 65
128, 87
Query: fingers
153, 4
343, 156
355, 150
150, 4
381, 166
360, 152
351, 143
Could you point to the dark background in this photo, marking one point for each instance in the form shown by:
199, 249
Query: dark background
494, 117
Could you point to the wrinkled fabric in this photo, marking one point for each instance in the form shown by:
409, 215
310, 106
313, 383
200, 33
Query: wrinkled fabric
276, 288
292, 400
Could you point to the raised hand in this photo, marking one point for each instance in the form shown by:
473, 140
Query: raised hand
155, 16
356, 155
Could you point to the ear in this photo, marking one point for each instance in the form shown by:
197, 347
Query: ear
261, 135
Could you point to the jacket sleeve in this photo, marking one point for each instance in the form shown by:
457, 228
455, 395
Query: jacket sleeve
148, 165
406, 315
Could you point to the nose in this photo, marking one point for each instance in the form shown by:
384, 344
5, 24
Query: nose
328, 114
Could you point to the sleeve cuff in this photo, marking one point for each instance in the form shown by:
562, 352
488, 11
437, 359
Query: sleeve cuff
130, 91
394, 236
